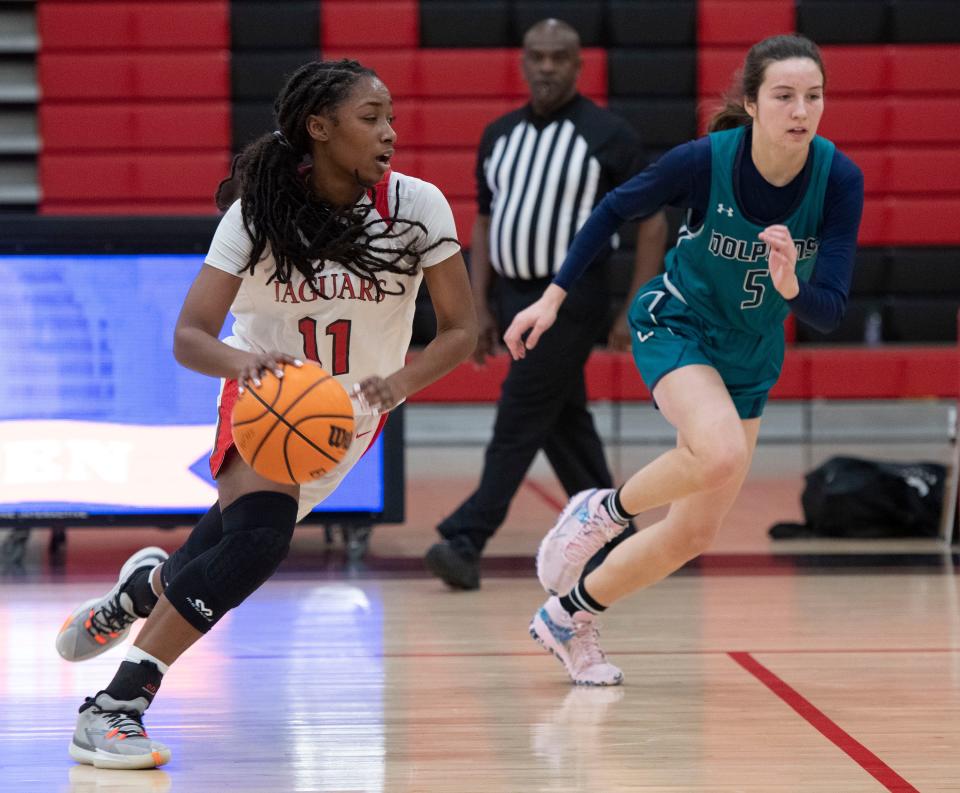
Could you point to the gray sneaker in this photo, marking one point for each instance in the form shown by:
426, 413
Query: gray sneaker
103, 622
110, 734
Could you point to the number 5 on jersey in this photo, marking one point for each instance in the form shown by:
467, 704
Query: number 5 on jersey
339, 331
752, 285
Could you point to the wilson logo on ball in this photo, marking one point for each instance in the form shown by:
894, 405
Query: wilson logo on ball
340, 437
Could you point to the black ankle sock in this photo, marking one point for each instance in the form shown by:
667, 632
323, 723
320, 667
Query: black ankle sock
135, 680
578, 599
141, 592
616, 509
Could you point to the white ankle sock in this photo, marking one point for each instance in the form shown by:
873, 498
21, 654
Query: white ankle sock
136, 655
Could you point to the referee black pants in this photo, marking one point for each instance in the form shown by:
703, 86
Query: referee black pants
543, 405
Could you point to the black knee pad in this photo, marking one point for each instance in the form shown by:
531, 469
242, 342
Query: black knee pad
205, 535
257, 529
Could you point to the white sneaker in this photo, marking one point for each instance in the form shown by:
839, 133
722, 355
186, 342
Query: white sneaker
103, 622
575, 641
582, 529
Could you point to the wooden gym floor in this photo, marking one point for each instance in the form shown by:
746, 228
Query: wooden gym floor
763, 668
773, 680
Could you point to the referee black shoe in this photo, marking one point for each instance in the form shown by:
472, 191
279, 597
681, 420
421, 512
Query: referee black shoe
458, 567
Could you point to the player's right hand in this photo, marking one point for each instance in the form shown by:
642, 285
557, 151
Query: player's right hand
261, 362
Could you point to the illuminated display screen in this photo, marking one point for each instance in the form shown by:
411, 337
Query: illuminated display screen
96, 416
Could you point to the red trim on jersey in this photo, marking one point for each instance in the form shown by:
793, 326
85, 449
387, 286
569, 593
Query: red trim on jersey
376, 432
380, 195
224, 437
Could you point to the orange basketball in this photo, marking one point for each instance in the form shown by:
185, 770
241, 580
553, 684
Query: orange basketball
295, 428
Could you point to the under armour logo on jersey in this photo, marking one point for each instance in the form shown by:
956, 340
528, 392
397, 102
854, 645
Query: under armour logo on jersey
721, 209
201, 607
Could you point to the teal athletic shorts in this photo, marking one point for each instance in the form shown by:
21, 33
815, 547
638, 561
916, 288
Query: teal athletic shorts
667, 334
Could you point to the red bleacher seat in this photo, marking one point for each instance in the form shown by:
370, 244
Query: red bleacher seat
924, 170
134, 26
452, 171
808, 372
461, 73
496, 73
900, 220
855, 120
875, 166
794, 380
884, 373
398, 68
903, 220
891, 70
156, 126
897, 120
715, 70
132, 177
908, 169
855, 70
921, 221
132, 76
137, 207
474, 72
443, 123
872, 224
369, 23
743, 21
925, 120
923, 69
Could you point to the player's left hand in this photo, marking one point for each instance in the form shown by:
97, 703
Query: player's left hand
782, 260
375, 395
619, 337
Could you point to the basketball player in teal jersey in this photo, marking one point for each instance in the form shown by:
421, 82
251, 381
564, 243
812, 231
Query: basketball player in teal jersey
771, 227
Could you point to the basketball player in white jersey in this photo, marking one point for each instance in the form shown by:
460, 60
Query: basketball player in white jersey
321, 258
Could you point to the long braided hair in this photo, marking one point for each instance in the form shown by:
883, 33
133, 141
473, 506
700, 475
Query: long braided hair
282, 213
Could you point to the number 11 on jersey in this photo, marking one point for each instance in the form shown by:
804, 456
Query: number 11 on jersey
339, 331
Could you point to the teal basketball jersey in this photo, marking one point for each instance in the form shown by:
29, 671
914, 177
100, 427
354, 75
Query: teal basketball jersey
720, 269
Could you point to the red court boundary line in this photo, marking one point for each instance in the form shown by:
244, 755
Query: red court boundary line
545, 495
859, 753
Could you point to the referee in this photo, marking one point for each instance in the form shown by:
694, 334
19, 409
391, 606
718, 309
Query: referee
540, 171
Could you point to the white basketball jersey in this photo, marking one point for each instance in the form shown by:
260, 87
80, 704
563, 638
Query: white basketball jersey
345, 327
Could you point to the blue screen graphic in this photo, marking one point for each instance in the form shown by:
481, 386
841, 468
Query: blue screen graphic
90, 387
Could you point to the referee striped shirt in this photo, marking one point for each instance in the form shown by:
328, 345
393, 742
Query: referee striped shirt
539, 178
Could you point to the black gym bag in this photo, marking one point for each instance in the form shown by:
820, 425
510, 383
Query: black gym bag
868, 499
